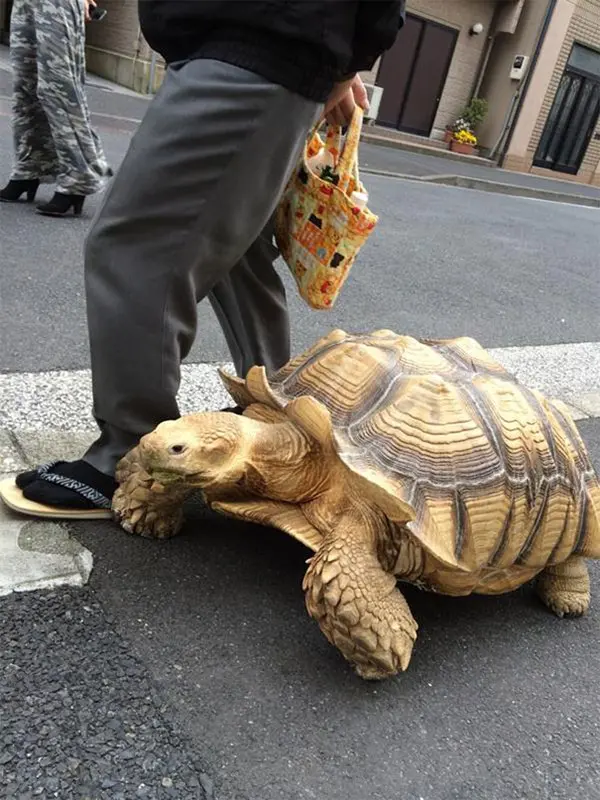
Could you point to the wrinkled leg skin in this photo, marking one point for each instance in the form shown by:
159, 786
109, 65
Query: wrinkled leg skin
360, 611
143, 506
565, 588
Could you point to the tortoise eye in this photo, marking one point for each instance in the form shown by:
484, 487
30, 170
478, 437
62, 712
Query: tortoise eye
177, 449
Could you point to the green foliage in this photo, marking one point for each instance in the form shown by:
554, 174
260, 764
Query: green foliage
475, 112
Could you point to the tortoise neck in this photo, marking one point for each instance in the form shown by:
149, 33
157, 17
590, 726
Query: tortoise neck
285, 464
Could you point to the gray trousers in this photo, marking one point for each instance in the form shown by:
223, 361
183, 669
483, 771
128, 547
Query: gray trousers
53, 135
188, 216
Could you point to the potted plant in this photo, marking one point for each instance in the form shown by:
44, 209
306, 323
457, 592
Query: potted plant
464, 142
472, 116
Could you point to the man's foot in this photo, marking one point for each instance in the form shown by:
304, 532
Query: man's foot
68, 484
62, 490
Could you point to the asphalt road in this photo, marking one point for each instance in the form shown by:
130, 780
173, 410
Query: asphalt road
189, 668
508, 271
193, 660
81, 717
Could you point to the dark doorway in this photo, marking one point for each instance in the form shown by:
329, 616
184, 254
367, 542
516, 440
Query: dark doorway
574, 114
413, 73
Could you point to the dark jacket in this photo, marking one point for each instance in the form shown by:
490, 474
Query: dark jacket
303, 45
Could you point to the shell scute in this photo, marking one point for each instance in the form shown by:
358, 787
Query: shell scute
496, 474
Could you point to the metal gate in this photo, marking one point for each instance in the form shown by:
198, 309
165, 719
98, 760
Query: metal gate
574, 114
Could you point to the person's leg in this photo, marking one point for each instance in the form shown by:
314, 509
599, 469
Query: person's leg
35, 154
257, 332
60, 33
201, 180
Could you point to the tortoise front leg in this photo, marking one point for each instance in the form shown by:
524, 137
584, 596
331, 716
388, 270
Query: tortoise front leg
357, 604
143, 506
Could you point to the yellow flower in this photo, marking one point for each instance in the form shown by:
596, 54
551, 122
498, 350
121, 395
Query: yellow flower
465, 137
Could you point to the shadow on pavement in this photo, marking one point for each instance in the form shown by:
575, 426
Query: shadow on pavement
499, 700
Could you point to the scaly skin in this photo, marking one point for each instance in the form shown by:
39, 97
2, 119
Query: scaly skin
565, 588
144, 506
354, 600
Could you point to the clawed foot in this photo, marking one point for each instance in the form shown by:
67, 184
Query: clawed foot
149, 521
143, 506
381, 644
565, 604
372, 626
565, 588
376, 647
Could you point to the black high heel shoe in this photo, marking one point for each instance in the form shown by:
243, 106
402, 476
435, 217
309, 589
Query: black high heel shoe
13, 191
61, 204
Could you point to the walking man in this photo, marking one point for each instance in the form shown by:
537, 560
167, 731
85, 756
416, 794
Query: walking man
187, 216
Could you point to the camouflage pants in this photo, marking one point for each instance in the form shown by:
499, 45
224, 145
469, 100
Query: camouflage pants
53, 135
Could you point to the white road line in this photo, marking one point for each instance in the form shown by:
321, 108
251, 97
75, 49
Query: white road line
62, 400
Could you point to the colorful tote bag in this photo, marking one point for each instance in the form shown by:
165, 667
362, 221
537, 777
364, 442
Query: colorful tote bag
322, 220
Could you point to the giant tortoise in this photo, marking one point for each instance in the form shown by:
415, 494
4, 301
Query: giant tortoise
393, 459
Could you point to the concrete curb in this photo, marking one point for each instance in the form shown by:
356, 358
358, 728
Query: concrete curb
424, 150
38, 553
511, 189
22, 449
497, 187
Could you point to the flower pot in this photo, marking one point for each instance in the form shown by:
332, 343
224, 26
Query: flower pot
448, 135
460, 147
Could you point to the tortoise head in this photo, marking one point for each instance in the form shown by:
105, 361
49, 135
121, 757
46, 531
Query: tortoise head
201, 450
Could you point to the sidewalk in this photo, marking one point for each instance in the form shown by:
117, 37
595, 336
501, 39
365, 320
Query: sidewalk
399, 163
390, 137
433, 155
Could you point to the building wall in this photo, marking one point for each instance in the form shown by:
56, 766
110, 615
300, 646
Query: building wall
583, 28
459, 14
497, 87
115, 47
117, 51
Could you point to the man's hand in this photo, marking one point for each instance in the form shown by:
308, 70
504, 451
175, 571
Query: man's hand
88, 5
343, 100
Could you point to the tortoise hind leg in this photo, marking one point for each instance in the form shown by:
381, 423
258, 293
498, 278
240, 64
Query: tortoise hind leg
565, 588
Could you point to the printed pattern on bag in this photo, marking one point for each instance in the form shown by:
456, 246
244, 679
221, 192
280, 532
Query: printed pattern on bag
318, 227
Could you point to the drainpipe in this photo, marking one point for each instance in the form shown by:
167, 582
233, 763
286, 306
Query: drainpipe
484, 62
485, 56
508, 118
136, 55
522, 94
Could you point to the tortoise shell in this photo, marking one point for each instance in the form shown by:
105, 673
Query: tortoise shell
495, 474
